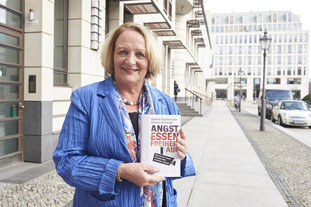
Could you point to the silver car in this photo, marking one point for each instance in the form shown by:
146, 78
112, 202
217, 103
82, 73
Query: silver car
290, 112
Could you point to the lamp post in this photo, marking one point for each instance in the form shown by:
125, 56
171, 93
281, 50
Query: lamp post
265, 45
240, 74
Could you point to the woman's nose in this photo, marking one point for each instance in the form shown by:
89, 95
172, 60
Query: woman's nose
130, 60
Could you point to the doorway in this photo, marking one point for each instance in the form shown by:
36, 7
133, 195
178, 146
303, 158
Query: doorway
11, 82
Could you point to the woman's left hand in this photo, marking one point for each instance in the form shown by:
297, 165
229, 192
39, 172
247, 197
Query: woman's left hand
182, 145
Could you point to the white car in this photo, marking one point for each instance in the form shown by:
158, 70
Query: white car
290, 112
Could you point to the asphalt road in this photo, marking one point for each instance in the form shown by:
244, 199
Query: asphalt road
302, 134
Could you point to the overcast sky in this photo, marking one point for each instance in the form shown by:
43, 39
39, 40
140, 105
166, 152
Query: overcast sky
300, 7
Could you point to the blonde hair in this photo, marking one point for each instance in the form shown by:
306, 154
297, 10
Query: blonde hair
152, 51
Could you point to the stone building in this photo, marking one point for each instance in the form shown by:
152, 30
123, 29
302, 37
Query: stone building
48, 48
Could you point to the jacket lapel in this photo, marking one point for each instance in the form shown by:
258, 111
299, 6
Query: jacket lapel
109, 106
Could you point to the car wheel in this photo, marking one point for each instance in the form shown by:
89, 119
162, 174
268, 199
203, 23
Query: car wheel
272, 118
309, 127
280, 121
258, 112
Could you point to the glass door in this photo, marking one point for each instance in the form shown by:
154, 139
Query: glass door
11, 82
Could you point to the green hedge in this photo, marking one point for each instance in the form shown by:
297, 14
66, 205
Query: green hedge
307, 98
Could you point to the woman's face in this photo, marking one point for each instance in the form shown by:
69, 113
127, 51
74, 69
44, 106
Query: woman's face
130, 58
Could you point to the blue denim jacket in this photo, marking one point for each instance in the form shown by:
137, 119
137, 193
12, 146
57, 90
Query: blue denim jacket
92, 145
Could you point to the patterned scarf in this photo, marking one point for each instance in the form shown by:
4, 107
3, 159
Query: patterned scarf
152, 196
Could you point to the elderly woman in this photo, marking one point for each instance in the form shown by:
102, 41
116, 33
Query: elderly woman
98, 149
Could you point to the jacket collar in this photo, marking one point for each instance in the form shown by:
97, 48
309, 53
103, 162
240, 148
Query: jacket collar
106, 88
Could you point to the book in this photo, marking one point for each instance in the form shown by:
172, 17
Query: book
159, 143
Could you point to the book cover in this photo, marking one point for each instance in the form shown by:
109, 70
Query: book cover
159, 143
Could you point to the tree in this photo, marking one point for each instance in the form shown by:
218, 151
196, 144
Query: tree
307, 99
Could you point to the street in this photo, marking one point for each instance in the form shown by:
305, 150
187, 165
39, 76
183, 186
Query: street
302, 134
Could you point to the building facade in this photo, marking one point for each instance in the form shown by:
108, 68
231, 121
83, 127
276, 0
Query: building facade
237, 48
49, 48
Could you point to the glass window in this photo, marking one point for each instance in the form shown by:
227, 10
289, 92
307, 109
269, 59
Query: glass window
9, 55
249, 49
249, 60
12, 4
9, 110
300, 37
221, 80
9, 73
258, 60
299, 60
279, 49
289, 49
269, 60
9, 91
293, 81
289, 17
11, 19
60, 42
289, 60
9, 40
7, 146
306, 37
279, 71
217, 20
273, 81
259, 18
230, 19
299, 71
275, 18
230, 50
279, 60
237, 81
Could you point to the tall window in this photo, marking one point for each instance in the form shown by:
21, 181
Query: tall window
60, 42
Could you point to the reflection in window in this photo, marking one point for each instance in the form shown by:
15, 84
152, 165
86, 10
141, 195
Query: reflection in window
273, 81
8, 146
60, 42
293, 81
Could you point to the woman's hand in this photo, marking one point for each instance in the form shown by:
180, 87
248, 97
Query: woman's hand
140, 174
182, 145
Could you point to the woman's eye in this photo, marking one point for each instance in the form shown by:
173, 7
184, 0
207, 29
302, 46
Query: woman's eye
122, 53
140, 55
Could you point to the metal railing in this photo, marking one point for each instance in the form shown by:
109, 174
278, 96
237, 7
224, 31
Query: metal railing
189, 95
194, 98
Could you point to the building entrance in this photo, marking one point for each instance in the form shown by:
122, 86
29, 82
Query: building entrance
11, 82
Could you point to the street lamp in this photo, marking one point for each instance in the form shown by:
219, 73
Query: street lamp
240, 74
265, 45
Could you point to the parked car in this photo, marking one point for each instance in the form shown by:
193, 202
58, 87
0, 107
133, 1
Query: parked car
292, 112
273, 96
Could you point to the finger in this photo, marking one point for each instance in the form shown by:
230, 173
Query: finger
182, 134
181, 141
154, 179
181, 155
151, 169
181, 148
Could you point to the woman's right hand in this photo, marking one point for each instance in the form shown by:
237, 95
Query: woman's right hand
140, 174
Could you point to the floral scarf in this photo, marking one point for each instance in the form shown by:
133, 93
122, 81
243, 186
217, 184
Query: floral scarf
152, 196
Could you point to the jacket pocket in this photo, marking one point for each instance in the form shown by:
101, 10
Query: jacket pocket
172, 200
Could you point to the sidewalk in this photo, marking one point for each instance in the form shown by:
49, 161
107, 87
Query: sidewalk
229, 172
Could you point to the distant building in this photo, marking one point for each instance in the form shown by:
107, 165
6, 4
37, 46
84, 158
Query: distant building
236, 46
